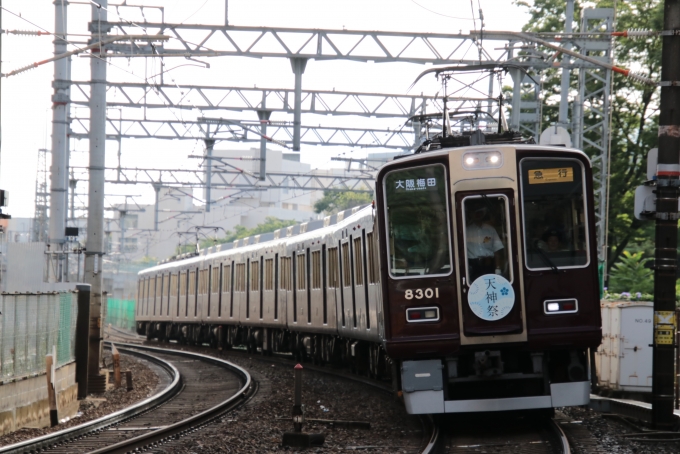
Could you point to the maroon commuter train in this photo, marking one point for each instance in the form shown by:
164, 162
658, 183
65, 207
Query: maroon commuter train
471, 281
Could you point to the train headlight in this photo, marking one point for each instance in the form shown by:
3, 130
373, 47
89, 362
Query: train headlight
566, 306
478, 160
422, 314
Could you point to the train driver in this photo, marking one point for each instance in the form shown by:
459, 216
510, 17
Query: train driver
484, 246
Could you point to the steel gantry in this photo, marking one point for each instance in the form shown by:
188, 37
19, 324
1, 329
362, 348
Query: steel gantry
238, 131
222, 178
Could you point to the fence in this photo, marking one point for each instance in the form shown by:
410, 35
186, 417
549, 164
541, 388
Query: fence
120, 313
30, 326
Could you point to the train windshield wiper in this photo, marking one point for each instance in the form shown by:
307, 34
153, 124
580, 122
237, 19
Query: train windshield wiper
545, 257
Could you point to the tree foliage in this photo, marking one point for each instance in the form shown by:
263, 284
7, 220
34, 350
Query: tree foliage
334, 201
269, 225
634, 108
630, 275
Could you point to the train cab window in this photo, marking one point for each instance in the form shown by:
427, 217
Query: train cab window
554, 210
418, 239
487, 234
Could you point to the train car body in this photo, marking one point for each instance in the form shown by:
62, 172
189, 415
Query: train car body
403, 288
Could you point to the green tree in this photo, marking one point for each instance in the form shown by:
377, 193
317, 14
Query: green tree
629, 274
335, 201
634, 108
269, 225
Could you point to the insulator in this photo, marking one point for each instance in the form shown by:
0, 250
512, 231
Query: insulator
635, 33
26, 32
641, 78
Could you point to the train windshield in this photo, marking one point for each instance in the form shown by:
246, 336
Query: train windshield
555, 233
417, 221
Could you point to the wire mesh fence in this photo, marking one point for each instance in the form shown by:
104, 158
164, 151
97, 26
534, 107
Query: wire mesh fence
120, 313
32, 326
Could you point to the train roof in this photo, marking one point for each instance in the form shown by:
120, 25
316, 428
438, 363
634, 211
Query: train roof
245, 245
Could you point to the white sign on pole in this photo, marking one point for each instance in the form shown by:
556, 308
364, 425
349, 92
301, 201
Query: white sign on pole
652, 160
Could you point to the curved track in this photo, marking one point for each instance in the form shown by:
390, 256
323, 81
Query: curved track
203, 388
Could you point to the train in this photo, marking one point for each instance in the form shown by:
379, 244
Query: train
471, 281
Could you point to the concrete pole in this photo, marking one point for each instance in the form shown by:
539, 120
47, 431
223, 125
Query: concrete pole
95, 211
264, 114
157, 189
298, 65
59, 168
209, 144
72, 184
563, 118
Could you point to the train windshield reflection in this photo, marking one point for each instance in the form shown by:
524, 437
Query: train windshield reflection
417, 221
554, 214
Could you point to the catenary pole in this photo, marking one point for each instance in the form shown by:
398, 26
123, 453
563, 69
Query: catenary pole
59, 168
95, 212
666, 242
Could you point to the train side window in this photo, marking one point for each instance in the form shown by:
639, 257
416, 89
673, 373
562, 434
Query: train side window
269, 274
240, 277
192, 282
333, 271
226, 279
358, 263
372, 259
316, 270
554, 211
417, 212
487, 236
301, 281
183, 283
286, 274
173, 285
346, 269
215, 284
254, 276
148, 294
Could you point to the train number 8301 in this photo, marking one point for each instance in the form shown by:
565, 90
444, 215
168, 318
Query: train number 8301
421, 293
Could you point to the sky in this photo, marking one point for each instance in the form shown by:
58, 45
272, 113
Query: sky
26, 106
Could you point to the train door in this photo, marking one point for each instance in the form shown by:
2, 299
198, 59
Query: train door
349, 321
488, 263
301, 300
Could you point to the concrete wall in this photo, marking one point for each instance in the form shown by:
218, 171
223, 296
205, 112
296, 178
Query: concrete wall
23, 403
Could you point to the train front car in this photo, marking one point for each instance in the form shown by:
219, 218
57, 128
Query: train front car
489, 275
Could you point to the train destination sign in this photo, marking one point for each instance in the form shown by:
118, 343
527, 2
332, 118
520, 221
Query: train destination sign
491, 297
556, 175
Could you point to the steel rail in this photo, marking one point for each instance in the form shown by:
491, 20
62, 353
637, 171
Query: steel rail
566, 449
181, 427
39, 443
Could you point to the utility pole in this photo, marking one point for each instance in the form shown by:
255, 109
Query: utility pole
667, 192
99, 28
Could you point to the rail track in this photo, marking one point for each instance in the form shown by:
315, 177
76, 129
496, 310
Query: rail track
201, 389
517, 433
430, 430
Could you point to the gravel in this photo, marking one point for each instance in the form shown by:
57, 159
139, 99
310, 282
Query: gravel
606, 435
258, 426
145, 382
